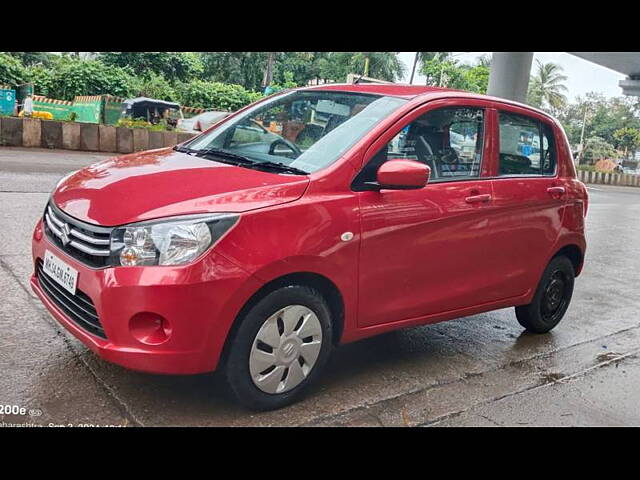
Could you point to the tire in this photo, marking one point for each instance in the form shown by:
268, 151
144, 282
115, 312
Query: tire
278, 339
551, 299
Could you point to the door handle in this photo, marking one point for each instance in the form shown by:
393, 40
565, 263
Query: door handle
478, 198
556, 191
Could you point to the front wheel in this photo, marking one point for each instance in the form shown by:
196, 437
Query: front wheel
551, 299
282, 344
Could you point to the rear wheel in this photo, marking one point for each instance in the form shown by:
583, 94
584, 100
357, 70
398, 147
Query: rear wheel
551, 299
280, 347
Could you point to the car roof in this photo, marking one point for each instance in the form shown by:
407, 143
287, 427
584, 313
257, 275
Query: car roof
392, 89
414, 91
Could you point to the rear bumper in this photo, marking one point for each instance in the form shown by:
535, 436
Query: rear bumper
199, 302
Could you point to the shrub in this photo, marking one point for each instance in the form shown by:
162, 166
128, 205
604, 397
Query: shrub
215, 95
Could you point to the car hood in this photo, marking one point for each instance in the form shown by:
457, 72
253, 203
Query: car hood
161, 183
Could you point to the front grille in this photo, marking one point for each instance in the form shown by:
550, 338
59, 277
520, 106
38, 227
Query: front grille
79, 307
85, 242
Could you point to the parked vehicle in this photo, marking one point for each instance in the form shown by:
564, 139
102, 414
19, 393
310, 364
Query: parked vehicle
201, 122
152, 110
314, 217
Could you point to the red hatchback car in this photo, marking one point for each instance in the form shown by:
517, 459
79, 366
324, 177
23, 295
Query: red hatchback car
315, 217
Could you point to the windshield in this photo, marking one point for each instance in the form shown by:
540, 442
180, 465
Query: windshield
304, 130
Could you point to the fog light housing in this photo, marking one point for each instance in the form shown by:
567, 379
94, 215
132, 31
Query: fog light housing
150, 328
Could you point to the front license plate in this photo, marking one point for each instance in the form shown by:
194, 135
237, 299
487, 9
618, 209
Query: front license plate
60, 272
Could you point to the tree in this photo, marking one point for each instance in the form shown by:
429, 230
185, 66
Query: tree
33, 58
597, 148
546, 87
241, 68
11, 70
444, 71
603, 117
422, 57
173, 66
628, 139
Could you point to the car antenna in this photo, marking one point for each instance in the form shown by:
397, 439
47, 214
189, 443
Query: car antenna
357, 80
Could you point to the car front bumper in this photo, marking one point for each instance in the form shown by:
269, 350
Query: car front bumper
196, 303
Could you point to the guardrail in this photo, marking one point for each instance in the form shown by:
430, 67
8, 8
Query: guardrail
602, 178
33, 132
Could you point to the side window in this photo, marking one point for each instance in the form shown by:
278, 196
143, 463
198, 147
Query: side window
449, 140
526, 146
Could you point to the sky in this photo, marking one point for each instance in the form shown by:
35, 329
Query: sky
583, 76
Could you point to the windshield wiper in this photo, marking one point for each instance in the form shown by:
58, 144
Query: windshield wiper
241, 160
225, 154
188, 150
282, 167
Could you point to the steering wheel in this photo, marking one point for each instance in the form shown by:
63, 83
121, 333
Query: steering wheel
449, 156
286, 143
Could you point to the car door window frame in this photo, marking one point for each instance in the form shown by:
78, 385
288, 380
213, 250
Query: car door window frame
494, 117
488, 144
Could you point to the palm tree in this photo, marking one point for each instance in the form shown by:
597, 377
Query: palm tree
546, 87
382, 65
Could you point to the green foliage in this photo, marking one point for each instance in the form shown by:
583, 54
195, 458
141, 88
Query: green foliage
42, 79
12, 72
441, 70
155, 86
34, 58
240, 68
596, 148
142, 123
215, 95
603, 117
287, 83
70, 76
627, 138
546, 87
173, 66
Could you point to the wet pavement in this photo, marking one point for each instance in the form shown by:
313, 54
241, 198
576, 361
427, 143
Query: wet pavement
479, 370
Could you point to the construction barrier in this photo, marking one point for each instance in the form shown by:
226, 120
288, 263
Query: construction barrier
60, 109
7, 101
188, 112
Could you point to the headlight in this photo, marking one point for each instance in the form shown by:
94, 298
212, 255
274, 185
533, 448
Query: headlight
174, 241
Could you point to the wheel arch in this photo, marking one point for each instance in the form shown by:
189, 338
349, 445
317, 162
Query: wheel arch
324, 285
574, 253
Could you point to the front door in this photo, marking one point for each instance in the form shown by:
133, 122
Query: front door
424, 251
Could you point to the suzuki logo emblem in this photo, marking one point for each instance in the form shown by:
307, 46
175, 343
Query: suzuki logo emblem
65, 231
288, 349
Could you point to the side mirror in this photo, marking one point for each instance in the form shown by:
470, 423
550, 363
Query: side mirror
402, 174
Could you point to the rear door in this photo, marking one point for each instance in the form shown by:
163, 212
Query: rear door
528, 199
425, 251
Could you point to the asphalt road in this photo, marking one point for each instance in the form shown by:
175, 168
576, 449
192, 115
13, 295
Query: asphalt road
478, 370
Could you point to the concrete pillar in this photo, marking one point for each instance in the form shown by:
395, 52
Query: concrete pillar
124, 139
89, 137
107, 138
51, 134
509, 75
156, 140
140, 139
31, 132
170, 138
11, 132
71, 135
184, 136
